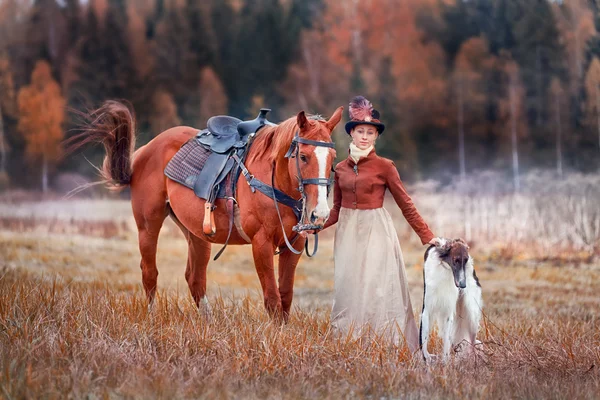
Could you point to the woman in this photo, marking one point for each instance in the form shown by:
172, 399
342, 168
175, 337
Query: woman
370, 280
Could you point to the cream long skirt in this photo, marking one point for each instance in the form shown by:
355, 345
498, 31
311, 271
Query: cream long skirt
371, 289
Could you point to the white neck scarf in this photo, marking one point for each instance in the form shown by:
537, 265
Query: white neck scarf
357, 153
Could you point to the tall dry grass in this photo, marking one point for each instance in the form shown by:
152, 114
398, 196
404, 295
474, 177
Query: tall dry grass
549, 218
60, 338
74, 323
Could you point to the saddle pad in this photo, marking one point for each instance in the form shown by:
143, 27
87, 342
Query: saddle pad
186, 165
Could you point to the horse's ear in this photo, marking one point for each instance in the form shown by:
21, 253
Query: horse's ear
302, 120
335, 119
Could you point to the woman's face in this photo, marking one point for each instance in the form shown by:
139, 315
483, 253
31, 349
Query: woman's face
363, 136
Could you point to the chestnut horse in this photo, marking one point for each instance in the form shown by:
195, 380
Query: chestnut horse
154, 197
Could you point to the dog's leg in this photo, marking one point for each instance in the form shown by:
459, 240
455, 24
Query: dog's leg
448, 333
424, 334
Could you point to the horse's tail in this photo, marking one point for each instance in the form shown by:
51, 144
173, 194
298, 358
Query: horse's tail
113, 125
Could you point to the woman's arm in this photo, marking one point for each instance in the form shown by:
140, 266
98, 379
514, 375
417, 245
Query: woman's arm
406, 205
337, 203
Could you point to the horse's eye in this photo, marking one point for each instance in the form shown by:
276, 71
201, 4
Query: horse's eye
303, 158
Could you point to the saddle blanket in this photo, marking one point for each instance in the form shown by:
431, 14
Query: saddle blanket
188, 162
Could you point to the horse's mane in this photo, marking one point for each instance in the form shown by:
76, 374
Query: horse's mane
272, 142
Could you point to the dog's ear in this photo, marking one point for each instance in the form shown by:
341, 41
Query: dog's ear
444, 249
463, 242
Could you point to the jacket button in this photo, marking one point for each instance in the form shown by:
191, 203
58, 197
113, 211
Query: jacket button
354, 204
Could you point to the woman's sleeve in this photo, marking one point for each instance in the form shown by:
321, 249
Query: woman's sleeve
337, 203
406, 205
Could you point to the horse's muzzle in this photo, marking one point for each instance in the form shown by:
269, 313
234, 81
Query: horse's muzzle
317, 219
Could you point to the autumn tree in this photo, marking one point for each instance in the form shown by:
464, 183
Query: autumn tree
592, 91
41, 114
471, 72
512, 107
213, 100
164, 112
7, 107
575, 22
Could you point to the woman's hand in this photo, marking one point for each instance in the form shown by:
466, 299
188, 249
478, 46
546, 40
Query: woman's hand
308, 232
436, 241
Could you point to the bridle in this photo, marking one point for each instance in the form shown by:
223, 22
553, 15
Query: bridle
294, 152
298, 206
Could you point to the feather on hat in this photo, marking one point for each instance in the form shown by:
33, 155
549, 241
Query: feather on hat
361, 112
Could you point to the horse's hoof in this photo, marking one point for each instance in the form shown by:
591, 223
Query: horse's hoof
204, 309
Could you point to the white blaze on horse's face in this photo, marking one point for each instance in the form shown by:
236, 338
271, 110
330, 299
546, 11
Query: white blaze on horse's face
322, 209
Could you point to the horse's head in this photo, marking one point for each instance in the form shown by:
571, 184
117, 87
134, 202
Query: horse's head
310, 161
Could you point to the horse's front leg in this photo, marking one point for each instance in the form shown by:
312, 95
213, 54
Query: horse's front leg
262, 251
287, 271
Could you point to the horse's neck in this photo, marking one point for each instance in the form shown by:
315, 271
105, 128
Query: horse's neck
283, 181
263, 170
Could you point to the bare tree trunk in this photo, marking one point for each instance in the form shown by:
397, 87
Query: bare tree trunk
513, 125
598, 113
44, 175
461, 130
559, 168
2, 144
538, 76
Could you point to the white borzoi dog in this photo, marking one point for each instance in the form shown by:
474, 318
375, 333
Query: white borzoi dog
452, 296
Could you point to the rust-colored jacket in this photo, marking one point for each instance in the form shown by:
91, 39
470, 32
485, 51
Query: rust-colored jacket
362, 186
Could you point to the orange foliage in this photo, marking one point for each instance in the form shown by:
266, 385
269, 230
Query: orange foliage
367, 32
472, 68
575, 21
512, 104
164, 115
142, 58
213, 98
7, 92
41, 114
592, 90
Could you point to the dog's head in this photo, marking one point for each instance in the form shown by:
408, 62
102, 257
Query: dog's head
455, 253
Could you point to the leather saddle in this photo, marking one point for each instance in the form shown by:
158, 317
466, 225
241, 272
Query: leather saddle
224, 132
224, 137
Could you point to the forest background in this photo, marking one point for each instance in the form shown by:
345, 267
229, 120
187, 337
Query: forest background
509, 86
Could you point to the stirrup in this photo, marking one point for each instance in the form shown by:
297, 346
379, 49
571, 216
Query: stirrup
208, 226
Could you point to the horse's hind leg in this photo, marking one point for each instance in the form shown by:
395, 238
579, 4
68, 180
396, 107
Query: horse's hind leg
150, 213
197, 263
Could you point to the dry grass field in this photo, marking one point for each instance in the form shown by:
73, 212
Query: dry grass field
74, 323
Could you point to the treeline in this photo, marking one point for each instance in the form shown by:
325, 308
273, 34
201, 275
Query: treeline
462, 85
